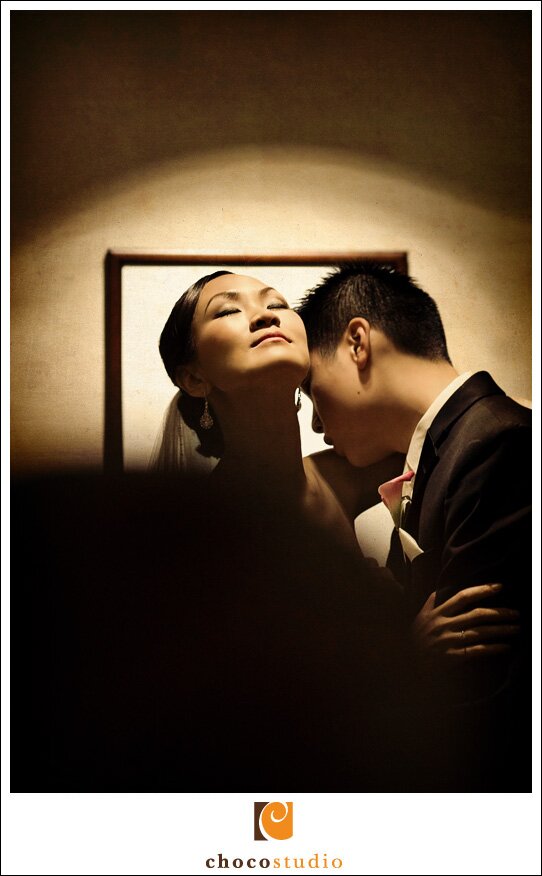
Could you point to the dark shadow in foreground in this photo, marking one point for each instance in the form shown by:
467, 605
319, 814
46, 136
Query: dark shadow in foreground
166, 641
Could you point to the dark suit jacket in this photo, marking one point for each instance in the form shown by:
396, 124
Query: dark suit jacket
471, 505
470, 514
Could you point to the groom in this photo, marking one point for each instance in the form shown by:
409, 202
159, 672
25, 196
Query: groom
382, 382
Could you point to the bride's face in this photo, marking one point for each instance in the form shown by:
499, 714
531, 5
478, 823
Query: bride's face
245, 331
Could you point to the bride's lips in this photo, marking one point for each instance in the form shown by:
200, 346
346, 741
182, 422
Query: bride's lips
268, 336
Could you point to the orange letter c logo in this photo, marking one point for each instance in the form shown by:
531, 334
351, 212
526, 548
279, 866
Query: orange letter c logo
273, 821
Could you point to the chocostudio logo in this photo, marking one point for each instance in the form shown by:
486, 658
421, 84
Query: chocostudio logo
275, 821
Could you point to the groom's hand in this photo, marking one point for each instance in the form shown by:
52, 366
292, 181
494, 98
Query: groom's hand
462, 628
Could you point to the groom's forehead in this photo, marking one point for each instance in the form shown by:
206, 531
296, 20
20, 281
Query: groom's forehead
306, 384
315, 371
325, 369
319, 361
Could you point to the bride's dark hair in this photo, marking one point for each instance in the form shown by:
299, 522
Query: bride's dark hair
177, 348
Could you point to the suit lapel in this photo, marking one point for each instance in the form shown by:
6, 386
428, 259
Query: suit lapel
475, 388
427, 463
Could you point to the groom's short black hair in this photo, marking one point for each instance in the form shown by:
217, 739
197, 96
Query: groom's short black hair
389, 300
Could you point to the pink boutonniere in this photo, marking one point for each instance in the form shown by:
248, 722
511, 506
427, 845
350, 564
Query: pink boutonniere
391, 493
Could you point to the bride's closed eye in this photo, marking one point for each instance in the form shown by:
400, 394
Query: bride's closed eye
277, 305
226, 312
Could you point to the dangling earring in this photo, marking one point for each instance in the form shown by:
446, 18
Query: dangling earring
206, 421
298, 400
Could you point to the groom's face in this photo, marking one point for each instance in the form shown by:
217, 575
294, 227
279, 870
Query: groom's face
344, 407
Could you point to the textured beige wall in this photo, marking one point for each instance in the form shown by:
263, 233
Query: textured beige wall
247, 132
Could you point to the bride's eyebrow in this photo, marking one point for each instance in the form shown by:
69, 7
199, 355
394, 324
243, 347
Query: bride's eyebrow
233, 295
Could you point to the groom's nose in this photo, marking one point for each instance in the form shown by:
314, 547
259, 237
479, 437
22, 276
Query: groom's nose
316, 422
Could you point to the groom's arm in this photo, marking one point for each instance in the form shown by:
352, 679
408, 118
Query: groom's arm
355, 488
488, 519
488, 539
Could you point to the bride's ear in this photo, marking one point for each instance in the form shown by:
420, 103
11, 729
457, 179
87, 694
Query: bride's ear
189, 380
358, 336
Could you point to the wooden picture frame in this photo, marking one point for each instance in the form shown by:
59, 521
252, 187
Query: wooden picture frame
116, 260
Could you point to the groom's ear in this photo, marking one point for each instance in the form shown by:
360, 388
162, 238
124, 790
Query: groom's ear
188, 378
358, 337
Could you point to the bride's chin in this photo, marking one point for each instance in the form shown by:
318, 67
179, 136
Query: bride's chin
289, 374
280, 376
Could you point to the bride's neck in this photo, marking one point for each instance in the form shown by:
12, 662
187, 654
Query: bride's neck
261, 438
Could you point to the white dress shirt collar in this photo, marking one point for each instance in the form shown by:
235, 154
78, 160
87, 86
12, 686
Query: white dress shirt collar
417, 441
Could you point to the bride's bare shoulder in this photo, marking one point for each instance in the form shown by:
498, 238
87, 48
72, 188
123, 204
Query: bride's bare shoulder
311, 469
355, 488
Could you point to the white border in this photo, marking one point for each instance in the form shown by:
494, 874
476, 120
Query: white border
378, 833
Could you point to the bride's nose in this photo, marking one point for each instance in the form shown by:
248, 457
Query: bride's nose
263, 319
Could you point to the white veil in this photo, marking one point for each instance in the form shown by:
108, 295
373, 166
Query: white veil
175, 448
